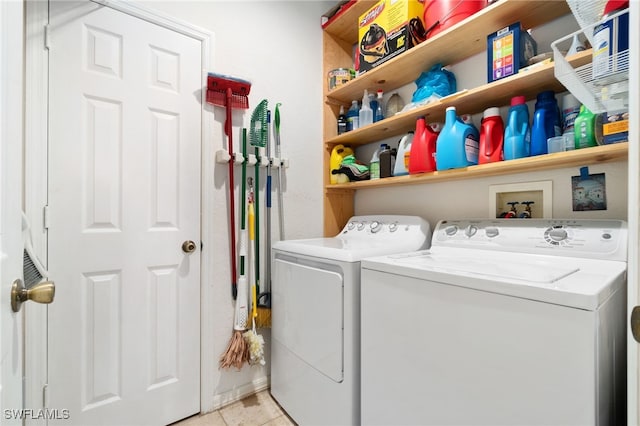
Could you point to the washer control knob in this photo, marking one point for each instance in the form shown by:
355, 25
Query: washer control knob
491, 232
350, 226
451, 230
558, 234
375, 226
393, 227
470, 230
360, 226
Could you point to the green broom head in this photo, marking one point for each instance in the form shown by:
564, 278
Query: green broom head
258, 129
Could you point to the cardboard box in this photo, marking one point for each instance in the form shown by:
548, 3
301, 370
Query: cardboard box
508, 50
615, 127
389, 28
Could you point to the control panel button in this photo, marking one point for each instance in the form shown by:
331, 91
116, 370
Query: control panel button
492, 232
393, 227
558, 234
606, 236
350, 226
360, 226
451, 230
375, 226
470, 230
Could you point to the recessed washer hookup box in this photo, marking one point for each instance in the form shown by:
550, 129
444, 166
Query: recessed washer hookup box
508, 50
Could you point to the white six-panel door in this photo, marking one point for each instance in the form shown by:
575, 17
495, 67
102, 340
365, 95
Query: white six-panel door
124, 194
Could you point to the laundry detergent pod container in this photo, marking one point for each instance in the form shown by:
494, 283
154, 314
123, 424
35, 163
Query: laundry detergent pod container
457, 144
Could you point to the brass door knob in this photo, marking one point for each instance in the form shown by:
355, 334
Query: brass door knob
42, 292
188, 246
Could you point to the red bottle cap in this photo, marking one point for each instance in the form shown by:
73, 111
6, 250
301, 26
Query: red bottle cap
518, 100
613, 5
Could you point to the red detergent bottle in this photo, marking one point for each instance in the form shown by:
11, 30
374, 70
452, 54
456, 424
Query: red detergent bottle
491, 136
423, 148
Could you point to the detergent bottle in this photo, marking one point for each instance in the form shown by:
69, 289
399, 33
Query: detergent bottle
517, 134
385, 157
374, 165
423, 148
491, 136
404, 153
337, 155
588, 129
457, 144
546, 122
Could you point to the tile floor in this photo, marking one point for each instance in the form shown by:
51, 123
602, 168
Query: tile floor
255, 410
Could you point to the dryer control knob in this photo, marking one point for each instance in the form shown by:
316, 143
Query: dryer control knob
470, 230
451, 230
375, 226
360, 226
558, 234
393, 227
492, 232
350, 226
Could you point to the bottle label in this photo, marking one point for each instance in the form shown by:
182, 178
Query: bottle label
374, 170
570, 115
471, 149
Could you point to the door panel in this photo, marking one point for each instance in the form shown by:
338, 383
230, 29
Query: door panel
124, 193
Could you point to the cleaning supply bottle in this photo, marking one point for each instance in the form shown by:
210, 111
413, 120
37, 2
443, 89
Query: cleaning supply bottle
517, 134
394, 105
588, 129
342, 121
378, 111
570, 111
353, 116
366, 114
423, 148
337, 155
546, 122
404, 154
386, 161
457, 144
374, 165
491, 136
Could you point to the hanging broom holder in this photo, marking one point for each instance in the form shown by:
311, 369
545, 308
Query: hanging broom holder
223, 157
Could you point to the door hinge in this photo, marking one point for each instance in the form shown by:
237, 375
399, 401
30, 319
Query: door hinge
45, 395
47, 37
45, 217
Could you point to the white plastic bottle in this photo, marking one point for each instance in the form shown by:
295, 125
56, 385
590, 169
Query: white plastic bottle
394, 105
366, 113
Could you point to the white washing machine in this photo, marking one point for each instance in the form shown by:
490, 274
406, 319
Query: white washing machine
315, 348
501, 322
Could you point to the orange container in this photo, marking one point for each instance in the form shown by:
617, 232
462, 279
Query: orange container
442, 14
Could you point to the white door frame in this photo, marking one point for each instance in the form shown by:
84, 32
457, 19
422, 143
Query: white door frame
36, 158
633, 276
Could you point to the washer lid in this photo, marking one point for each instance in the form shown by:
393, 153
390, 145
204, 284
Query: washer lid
574, 282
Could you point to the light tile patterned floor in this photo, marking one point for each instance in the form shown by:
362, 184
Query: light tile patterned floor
255, 410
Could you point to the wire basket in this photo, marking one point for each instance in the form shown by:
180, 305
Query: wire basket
587, 13
603, 84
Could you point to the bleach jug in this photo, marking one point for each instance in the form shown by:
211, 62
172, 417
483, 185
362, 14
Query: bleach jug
404, 153
423, 149
337, 155
491, 136
546, 122
517, 136
457, 144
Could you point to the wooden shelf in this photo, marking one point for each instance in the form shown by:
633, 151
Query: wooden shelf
462, 40
577, 158
499, 93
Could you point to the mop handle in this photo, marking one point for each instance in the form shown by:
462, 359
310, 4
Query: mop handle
278, 153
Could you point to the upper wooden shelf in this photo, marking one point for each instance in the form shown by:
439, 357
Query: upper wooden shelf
462, 40
576, 158
499, 93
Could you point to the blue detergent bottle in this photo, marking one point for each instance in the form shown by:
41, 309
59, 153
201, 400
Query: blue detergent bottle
517, 134
546, 122
457, 144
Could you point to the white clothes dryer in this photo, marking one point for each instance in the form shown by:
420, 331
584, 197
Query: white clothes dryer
501, 322
315, 348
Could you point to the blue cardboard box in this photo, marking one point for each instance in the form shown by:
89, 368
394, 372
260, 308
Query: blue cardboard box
508, 50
